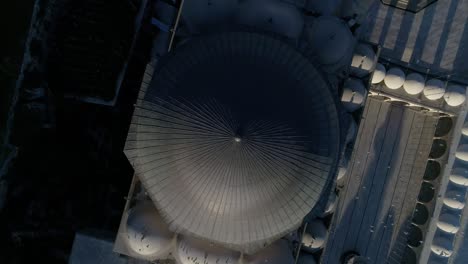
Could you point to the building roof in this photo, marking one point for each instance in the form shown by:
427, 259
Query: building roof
214, 170
385, 174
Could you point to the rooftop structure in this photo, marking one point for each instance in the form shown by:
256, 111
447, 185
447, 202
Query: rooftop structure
268, 133
228, 165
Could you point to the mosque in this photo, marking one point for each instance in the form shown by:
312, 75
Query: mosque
299, 131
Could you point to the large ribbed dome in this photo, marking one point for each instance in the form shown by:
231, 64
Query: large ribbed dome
235, 139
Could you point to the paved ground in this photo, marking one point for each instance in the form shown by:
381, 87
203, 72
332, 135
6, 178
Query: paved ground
436, 37
383, 182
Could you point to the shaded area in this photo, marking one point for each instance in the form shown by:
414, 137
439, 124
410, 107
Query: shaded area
89, 46
439, 147
409, 256
426, 194
71, 173
421, 214
55, 193
444, 126
433, 170
415, 237
17, 16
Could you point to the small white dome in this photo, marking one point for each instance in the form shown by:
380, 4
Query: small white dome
395, 78
414, 83
276, 253
201, 15
442, 246
330, 38
455, 95
462, 153
379, 74
341, 173
455, 200
329, 7
273, 16
314, 236
465, 129
331, 204
354, 93
146, 232
434, 89
363, 60
191, 250
449, 223
459, 176
352, 132
305, 258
